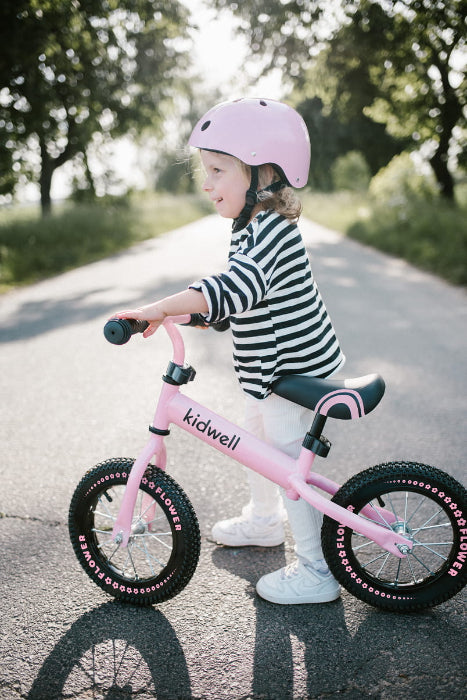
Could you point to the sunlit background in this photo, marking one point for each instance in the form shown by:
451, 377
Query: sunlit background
220, 62
97, 103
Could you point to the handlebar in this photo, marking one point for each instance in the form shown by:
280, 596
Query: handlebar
118, 331
198, 320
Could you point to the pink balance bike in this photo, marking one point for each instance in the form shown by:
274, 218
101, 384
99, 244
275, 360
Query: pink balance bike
395, 535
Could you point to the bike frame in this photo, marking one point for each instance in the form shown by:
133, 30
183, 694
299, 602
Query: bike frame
295, 476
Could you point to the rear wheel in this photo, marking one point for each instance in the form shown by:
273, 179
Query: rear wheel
429, 508
164, 546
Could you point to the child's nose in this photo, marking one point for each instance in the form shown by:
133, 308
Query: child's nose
207, 185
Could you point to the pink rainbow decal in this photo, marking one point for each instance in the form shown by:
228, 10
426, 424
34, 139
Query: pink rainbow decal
348, 397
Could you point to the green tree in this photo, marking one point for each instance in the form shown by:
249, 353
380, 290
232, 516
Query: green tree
351, 172
333, 135
394, 60
71, 69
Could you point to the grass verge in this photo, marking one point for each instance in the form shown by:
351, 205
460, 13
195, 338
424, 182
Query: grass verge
32, 248
432, 235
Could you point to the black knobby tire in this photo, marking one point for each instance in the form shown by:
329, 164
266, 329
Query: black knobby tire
430, 508
164, 547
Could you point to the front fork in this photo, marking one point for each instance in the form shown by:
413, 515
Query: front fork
154, 447
122, 528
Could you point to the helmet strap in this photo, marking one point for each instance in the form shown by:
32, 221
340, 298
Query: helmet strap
251, 199
274, 186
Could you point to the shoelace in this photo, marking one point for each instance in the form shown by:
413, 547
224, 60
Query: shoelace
290, 570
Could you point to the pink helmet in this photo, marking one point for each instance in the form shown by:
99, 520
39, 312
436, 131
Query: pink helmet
257, 131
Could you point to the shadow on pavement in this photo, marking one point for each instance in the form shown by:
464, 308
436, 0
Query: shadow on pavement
115, 651
33, 318
340, 652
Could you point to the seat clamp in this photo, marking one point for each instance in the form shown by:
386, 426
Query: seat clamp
320, 446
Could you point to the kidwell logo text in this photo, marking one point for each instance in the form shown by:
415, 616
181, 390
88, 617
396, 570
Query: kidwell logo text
204, 426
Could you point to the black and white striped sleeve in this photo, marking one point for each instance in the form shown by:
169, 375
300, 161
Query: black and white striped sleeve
238, 289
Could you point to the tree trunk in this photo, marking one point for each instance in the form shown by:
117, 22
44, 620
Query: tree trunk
47, 170
48, 167
450, 113
444, 178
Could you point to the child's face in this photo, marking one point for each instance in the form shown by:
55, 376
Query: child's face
226, 183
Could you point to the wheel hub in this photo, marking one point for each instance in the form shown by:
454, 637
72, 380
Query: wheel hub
400, 527
139, 528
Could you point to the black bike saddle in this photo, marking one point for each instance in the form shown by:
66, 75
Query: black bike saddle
336, 398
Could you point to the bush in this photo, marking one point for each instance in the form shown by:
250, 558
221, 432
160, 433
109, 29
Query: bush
400, 183
403, 216
335, 210
351, 172
33, 249
407, 218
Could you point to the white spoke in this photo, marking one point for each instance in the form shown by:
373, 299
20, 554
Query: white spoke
432, 527
378, 511
132, 562
383, 564
392, 506
420, 503
399, 566
372, 561
157, 536
420, 562
432, 517
365, 544
409, 563
425, 546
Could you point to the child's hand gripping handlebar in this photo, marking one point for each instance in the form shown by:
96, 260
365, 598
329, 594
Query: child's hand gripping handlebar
118, 331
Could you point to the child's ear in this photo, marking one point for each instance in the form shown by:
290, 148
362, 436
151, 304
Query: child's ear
267, 176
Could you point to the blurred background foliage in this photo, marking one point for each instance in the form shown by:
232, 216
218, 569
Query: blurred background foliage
380, 84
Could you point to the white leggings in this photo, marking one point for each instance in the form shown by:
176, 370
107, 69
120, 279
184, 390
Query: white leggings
283, 424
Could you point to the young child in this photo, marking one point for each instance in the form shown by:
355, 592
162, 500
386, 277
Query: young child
254, 151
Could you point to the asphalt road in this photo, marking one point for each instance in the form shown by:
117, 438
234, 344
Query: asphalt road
70, 400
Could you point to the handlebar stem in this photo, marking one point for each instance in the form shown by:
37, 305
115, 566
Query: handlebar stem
175, 336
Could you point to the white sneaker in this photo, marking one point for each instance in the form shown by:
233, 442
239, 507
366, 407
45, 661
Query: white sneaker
249, 529
298, 583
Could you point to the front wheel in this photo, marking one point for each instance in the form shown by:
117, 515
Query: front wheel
429, 508
164, 545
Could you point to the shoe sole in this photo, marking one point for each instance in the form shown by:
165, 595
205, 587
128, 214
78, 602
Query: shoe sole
251, 543
319, 598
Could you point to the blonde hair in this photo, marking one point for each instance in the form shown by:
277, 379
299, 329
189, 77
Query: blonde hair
284, 202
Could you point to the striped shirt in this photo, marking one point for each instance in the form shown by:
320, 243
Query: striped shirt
278, 319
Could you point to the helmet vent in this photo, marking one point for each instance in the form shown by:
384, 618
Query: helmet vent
205, 125
263, 103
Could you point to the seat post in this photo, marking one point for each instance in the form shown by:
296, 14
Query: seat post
314, 439
317, 427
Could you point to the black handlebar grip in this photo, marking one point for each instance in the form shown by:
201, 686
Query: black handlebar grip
196, 320
199, 320
221, 326
119, 330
